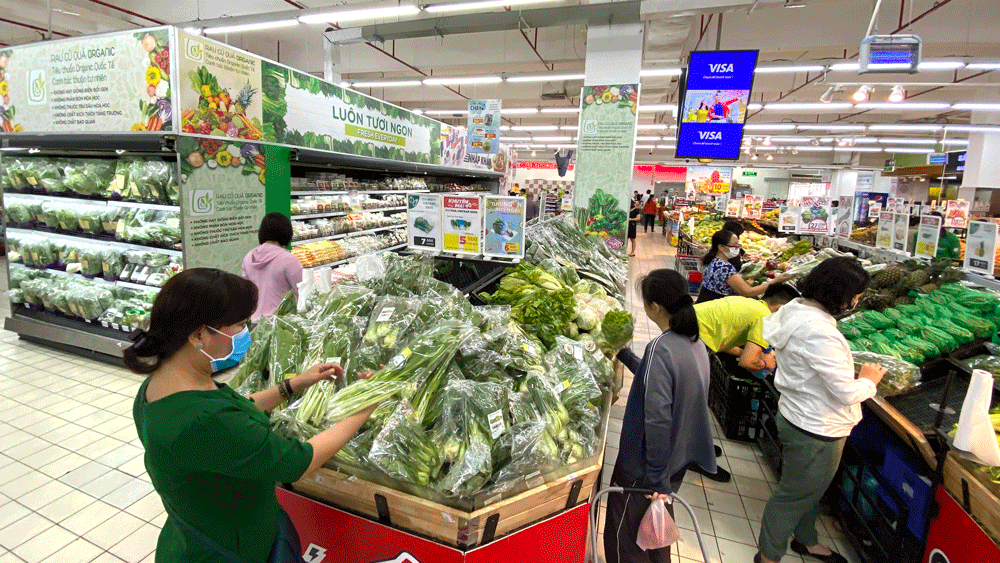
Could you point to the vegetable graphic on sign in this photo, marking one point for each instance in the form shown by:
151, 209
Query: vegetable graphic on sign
217, 154
7, 112
605, 218
219, 113
157, 112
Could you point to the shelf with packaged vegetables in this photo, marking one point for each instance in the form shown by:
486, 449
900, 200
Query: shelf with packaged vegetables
331, 252
348, 234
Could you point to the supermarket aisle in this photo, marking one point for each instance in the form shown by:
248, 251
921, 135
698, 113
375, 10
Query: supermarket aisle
728, 513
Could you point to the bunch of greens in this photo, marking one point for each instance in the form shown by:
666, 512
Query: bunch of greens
88, 176
538, 300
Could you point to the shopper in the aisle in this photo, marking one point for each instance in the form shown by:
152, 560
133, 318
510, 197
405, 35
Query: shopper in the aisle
649, 213
274, 270
666, 423
737, 229
720, 279
820, 404
633, 222
734, 325
210, 453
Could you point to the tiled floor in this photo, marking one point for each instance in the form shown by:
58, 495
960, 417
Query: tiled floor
728, 513
73, 488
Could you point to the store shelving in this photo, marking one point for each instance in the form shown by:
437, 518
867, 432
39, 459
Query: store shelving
355, 257
93, 239
320, 215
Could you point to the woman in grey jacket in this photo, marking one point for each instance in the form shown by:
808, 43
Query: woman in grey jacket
666, 423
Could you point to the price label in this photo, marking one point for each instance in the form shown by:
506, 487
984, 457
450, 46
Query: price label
425, 241
512, 247
497, 425
385, 315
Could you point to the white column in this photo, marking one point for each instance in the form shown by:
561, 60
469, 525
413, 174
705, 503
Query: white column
614, 54
982, 167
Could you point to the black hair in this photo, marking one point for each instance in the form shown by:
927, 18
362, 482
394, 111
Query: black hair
780, 293
835, 282
649, 191
914, 220
734, 227
275, 227
188, 301
720, 238
669, 289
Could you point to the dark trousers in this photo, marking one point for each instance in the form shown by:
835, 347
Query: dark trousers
647, 222
621, 523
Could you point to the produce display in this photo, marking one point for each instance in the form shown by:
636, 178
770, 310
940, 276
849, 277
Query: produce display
900, 375
147, 227
864, 235
316, 228
318, 253
144, 180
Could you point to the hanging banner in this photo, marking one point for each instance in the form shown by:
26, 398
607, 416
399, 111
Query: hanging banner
715, 104
462, 223
606, 150
733, 208
788, 219
753, 206
484, 126
956, 215
709, 179
816, 215
900, 231
224, 203
927, 236
980, 248
883, 239
845, 216
113, 83
423, 221
503, 226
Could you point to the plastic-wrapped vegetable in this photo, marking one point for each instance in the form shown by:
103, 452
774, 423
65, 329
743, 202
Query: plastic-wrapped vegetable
257, 356
14, 172
112, 262
404, 450
150, 180
288, 342
50, 212
901, 376
110, 218
87, 176
118, 184
390, 323
345, 299
17, 212
91, 261
90, 219
472, 418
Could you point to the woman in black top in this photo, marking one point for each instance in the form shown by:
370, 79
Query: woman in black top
634, 216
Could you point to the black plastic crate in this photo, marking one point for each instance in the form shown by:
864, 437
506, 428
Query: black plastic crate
735, 401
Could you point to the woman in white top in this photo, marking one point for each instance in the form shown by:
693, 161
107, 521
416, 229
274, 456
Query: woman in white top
820, 404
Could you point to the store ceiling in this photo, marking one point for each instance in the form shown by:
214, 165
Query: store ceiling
822, 33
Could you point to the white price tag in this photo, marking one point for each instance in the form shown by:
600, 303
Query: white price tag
496, 423
333, 360
385, 315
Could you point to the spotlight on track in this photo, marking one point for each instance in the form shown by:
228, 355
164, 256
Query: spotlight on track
898, 94
863, 93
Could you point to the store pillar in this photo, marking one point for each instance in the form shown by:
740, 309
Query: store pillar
982, 168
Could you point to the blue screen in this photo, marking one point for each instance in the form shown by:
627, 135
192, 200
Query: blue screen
712, 112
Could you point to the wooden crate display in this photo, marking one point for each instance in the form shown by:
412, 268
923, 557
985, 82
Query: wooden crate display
445, 524
967, 485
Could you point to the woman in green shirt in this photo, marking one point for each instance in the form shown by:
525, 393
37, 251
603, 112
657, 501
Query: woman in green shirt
210, 452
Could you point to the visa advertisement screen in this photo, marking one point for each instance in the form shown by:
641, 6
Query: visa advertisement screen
714, 106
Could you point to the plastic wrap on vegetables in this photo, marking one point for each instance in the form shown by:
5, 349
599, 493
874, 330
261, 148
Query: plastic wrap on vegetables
112, 262
405, 275
332, 341
345, 299
355, 452
110, 218
464, 436
288, 346
17, 212
900, 377
527, 448
48, 174
50, 214
257, 355
252, 383
404, 450
118, 184
986, 362
88, 177
521, 351
494, 321
150, 180
91, 219
390, 324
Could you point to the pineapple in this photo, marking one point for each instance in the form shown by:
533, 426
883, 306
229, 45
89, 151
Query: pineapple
919, 278
889, 276
244, 98
904, 300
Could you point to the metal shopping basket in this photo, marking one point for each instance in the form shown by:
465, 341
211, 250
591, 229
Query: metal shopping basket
689, 266
595, 507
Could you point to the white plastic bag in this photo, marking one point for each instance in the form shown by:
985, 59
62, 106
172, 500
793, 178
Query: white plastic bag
657, 529
975, 431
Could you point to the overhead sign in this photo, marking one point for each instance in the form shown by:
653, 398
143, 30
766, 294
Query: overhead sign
816, 215
753, 206
956, 162
749, 173
709, 179
484, 126
714, 105
927, 236
980, 248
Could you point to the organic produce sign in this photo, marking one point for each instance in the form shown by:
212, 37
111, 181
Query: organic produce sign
503, 226
980, 248
927, 236
956, 215
462, 223
753, 206
423, 221
816, 215
884, 237
484, 126
709, 179
845, 216
118, 82
224, 199
900, 231
605, 155
788, 219
715, 104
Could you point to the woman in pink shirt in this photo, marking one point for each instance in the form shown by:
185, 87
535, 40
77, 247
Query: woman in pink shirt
274, 270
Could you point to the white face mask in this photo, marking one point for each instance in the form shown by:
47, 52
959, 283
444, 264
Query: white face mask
733, 253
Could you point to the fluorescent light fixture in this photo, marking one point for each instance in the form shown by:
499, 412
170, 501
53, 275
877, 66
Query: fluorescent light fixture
905, 127
518, 111
569, 128
831, 127
660, 72
892, 141
458, 80
983, 66
975, 128
909, 150
976, 106
956, 142
863, 93
898, 94
657, 107
754, 106
250, 27
913, 106
560, 110
845, 66
386, 84
809, 148
545, 77
643, 138
517, 139
790, 139
769, 127
476, 6
806, 106
940, 65
564, 146
193, 30
651, 126
780, 69
534, 128
418, 111
857, 149
765, 148
855, 140
362, 14
666, 147
446, 112
552, 139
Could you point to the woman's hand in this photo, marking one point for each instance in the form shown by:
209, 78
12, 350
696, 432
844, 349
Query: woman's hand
782, 278
369, 373
657, 496
325, 371
872, 372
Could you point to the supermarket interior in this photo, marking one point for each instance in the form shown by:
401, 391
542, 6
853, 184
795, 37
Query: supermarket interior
500, 280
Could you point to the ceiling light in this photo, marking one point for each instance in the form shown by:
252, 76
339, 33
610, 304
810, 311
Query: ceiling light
795, 150
915, 106
250, 27
909, 150
193, 30
754, 157
746, 151
891, 140
534, 153
458, 80
814, 142
898, 94
905, 127
648, 139
806, 106
560, 110
767, 141
535, 128
974, 128
569, 128
852, 140
831, 127
815, 149
518, 111
660, 72
795, 4
658, 107
857, 149
483, 5
778, 69
386, 84
940, 65
769, 127
983, 66
763, 148
827, 97
770, 157
362, 14
517, 139
545, 77
863, 93
842, 143
754, 106
976, 106
956, 142
552, 139
844, 66
446, 112
666, 147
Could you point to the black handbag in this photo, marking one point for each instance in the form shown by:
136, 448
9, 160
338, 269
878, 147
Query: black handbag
286, 549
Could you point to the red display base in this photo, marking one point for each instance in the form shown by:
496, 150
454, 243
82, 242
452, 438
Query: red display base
331, 535
954, 537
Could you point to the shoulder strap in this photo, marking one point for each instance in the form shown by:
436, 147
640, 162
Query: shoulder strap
201, 539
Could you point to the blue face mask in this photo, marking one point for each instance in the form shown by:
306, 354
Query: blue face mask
241, 343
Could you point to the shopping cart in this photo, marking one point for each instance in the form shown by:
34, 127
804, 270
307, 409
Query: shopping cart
689, 266
595, 507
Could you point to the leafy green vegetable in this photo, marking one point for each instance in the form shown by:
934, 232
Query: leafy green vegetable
538, 300
616, 331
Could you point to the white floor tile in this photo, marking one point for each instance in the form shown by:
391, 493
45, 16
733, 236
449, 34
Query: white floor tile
733, 528
726, 503
70, 503
45, 544
79, 551
137, 545
89, 517
23, 530
150, 506
48, 493
113, 530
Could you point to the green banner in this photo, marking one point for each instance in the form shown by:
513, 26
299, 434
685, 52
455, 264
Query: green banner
604, 160
372, 135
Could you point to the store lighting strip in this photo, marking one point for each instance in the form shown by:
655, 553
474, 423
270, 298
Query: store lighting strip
781, 69
361, 14
908, 150
904, 106
260, 26
483, 5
